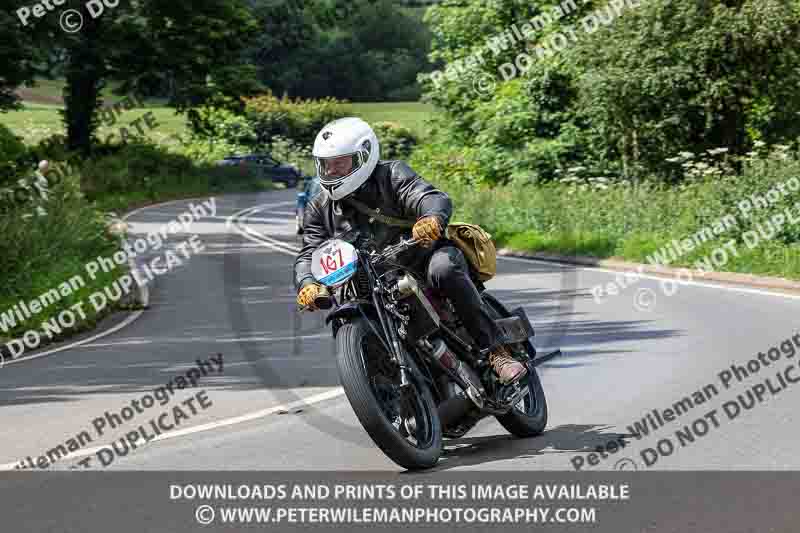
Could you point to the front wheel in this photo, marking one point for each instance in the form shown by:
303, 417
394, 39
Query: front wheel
528, 417
403, 422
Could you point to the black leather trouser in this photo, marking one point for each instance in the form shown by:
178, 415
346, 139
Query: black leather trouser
448, 271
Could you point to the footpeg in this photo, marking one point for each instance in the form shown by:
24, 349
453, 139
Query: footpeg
543, 359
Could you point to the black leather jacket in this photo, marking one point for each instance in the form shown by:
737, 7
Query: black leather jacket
395, 189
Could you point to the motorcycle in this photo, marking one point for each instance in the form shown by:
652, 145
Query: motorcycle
412, 373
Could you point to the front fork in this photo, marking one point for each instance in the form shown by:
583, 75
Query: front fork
396, 349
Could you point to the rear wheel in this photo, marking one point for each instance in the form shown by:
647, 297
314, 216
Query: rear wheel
528, 417
402, 421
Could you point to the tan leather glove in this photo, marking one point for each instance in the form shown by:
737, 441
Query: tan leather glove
427, 230
306, 296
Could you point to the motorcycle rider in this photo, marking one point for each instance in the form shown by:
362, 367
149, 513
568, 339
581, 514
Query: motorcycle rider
346, 153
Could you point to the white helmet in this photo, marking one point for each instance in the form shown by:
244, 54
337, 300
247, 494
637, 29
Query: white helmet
346, 151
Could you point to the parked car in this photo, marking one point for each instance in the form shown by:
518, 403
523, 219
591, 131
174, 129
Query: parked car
265, 166
310, 189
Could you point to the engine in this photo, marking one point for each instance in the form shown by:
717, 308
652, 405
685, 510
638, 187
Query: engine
413, 303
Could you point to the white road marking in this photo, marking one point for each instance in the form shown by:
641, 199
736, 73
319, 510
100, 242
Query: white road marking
265, 339
162, 204
231, 245
732, 288
277, 245
238, 222
83, 342
184, 340
107, 332
243, 251
283, 247
248, 417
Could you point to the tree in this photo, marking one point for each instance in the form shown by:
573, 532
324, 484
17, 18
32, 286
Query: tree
636, 83
139, 43
17, 55
684, 75
350, 49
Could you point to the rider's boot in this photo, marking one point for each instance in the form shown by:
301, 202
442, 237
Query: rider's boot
507, 368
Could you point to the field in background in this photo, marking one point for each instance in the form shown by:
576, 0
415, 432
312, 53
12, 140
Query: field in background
40, 118
37, 121
409, 114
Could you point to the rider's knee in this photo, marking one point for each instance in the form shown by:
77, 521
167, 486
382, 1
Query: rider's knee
446, 264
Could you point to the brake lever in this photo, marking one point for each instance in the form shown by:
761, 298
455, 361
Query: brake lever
399, 247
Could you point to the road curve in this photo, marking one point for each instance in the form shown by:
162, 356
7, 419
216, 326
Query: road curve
276, 403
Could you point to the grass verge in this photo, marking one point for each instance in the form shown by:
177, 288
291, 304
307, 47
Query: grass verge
702, 223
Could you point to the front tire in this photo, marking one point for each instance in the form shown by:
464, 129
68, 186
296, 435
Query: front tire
528, 417
370, 380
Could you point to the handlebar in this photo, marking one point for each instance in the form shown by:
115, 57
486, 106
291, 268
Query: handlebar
324, 300
396, 248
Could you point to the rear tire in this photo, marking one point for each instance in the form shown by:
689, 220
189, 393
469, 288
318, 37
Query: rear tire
529, 417
353, 341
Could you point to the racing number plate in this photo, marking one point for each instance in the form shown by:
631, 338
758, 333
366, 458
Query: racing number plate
334, 262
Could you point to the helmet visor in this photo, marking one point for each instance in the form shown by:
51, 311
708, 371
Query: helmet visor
332, 169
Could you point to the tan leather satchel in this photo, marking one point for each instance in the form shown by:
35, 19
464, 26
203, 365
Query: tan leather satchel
473, 241
477, 246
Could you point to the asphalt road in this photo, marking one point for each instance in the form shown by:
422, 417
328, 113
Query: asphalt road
277, 404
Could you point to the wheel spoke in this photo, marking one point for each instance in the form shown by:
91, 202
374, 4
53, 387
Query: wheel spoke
402, 407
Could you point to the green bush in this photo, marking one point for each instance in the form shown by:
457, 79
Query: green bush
12, 155
213, 123
297, 120
396, 140
52, 148
604, 218
136, 167
144, 172
21, 186
664, 76
43, 249
439, 161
